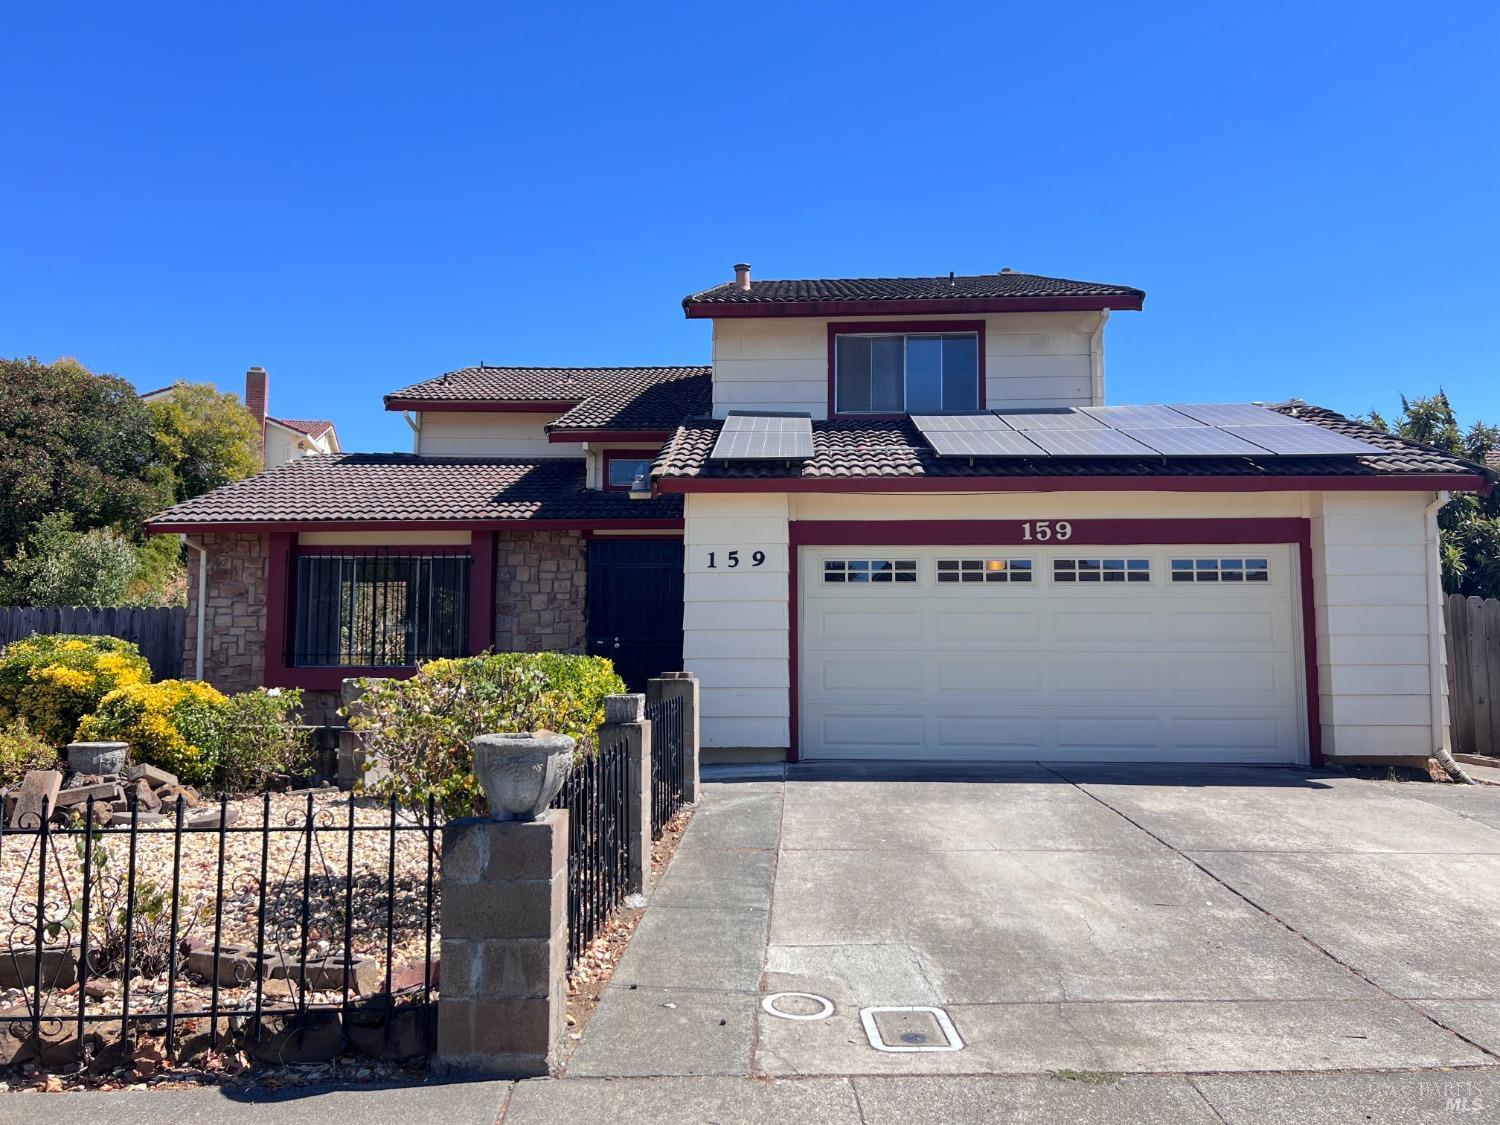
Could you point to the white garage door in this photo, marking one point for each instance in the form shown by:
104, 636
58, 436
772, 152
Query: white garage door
1082, 653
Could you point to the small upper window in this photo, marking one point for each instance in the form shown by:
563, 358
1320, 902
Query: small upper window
1220, 570
626, 473
923, 373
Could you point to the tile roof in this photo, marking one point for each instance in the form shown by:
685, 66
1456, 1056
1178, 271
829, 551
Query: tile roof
984, 286
854, 449
399, 487
612, 397
313, 428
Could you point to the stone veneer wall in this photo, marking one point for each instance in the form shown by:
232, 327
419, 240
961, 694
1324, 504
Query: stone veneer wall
235, 656
541, 586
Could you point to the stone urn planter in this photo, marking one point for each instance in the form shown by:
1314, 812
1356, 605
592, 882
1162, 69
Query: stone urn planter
98, 758
522, 773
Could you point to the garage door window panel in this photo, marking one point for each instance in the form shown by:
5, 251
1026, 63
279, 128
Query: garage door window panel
847, 571
1221, 570
983, 570
1098, 571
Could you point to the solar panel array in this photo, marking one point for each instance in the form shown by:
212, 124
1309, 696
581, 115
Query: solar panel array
764, 436
1238, 429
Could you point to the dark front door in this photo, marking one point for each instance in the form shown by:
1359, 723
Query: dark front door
635, 606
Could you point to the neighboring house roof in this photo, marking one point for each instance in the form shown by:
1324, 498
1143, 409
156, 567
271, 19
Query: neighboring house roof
1005, 289
406, 488
168, 389
855, 449
561, 387
313, 428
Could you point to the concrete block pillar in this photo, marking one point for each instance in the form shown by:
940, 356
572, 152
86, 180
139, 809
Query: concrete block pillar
684, 686
505, 947
625, 720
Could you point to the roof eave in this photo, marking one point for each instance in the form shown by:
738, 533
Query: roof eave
484, 405
1409, 482
710, 310
261, 527
604, 433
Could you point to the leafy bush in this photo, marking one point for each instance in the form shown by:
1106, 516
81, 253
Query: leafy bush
174, 724
420, 728
256, 738
53, 680
60, 566
20, 750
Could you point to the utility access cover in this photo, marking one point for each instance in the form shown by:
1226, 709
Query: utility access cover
907, 1030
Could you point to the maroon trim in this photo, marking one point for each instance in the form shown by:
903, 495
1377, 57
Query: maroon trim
665, 523
376, 549
608, 455
1411, 482
484, 406
918, 306
840, 328
583, 434
279, 607
1086, 532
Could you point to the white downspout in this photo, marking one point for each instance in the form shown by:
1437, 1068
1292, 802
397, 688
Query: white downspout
202, 603
1096, 358
1440, 749
416, 430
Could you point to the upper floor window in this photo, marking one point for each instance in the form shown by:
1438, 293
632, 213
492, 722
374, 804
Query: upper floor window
626, 471
906, 373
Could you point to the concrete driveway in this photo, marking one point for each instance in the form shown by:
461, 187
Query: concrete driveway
1091, 919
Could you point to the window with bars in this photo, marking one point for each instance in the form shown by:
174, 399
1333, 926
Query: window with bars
1220, 570
383, 608
1101, 570
984, 570
870, 570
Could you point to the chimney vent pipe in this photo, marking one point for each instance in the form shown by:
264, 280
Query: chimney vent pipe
742, 276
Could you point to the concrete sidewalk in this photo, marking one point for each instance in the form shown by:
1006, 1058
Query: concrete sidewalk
1401, 1098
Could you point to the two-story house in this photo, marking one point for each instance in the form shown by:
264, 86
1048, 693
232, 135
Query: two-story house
894, 518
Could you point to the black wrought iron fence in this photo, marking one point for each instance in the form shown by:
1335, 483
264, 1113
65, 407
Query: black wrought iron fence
668, 761
236, 925
597, 797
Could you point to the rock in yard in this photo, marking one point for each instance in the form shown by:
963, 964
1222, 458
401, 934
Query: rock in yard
413, 1032
168, 794
97, 757
102, 791
312, 1038
145, 796
59, 966
233, 964
154, 776
38, 788
209, 818
327, 974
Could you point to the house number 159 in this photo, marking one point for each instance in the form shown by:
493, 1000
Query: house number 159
1043, 530
732, 559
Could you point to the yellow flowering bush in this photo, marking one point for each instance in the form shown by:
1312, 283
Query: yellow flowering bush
20, 751
52, 680
172, 724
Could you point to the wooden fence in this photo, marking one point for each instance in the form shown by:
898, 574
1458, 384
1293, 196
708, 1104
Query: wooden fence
1474, 673
158, 631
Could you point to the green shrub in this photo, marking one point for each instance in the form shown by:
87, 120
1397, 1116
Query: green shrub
52, 680
420, 728
20, 750
256, 738
175, 724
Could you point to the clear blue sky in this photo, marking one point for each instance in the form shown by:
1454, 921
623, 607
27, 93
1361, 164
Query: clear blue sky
361, 196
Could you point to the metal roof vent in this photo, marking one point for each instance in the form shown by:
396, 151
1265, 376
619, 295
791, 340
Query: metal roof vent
742, 276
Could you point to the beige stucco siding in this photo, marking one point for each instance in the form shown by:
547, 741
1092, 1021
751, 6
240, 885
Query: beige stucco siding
488, 434
1031, 359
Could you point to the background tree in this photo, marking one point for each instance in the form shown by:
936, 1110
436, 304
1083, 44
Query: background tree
74, 443
1470, 524
60, 566
204, 439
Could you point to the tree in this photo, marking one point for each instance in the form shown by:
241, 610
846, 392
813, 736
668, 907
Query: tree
76, 444
60, 566
1470, 524
204, 439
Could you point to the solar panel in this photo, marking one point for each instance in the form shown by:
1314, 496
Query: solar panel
1194, 441
1089, 443
932, 423
1303, 439
981, 443
1138, 417
750, 436
1233, 414
1048, 420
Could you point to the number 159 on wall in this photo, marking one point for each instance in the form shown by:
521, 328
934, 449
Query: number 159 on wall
1042, 531
730, 560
